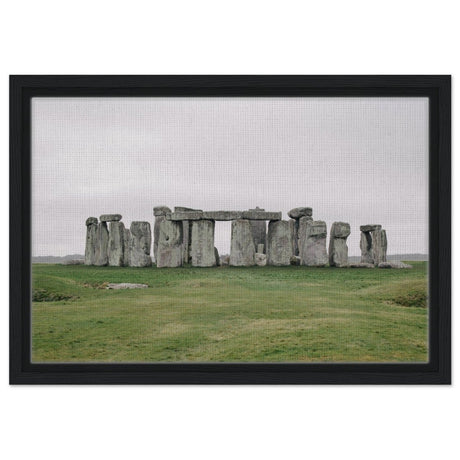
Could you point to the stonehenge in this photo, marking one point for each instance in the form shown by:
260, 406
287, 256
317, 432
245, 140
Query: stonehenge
186, 236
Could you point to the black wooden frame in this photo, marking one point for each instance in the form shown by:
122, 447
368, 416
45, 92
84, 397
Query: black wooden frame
436, 88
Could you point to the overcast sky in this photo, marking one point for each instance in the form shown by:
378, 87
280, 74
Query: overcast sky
358, 160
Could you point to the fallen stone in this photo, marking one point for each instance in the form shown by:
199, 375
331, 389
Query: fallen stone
102, 244
169, 251
73, 262
361, 265
261, 215
312, 247
116, 247
91, 241
242, 247
279, 244
185, 215
397, 265
140, 244
297, 213
91, 221
202, 245
110, 217
222, 215
161, 211
295, 260
126, 286
260, 259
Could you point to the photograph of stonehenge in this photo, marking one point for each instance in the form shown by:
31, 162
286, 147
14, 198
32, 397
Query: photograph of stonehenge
236, 229
186, 236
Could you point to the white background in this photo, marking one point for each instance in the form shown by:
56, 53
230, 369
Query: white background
196, 37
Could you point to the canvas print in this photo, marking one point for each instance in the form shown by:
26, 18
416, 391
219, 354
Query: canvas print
230, 229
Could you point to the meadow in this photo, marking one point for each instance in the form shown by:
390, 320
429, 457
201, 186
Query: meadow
229, 314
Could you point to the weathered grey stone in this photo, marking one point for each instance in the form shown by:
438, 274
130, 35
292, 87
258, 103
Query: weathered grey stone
225, 259
126, 286
338, 249
260, 248
169, 252
312, 246
186, 238
216, 253
295, 260
140, 243
373, 244
370, 227
185, 215
297, 213
222, 215
398, 265
242, 247
279, 243
161, 211
202, 245
116, 247
102, 244
340, 230
159, 218
361, 265
91, 221
258, 230
110, 217
294, 227
91, 241
260, 259
261, 215
183, 208
126, 246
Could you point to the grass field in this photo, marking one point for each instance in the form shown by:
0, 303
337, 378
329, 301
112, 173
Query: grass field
230, 314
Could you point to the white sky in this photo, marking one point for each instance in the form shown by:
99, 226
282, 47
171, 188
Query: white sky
358, 160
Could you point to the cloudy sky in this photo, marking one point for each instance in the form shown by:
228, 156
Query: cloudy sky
358, 160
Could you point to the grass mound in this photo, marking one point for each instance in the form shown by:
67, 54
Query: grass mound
45, 295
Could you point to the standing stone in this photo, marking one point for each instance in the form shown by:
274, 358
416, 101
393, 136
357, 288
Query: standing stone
242, 247
260, 248
116, 246
202, 246
91, 241
258, 229
294, 228
216, 253
102, 244
126, 246
140, 244
373, 244
169, 252
312, 247
160, 213
186, 233
279, 243
338, 249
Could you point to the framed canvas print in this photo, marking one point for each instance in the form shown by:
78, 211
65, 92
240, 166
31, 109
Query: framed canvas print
230, 229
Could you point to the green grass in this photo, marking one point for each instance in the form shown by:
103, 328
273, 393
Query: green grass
230, 314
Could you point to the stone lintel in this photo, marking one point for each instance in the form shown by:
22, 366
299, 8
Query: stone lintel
110, 217
261, 215
185, 215
297, 213
222, 215
370, 228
